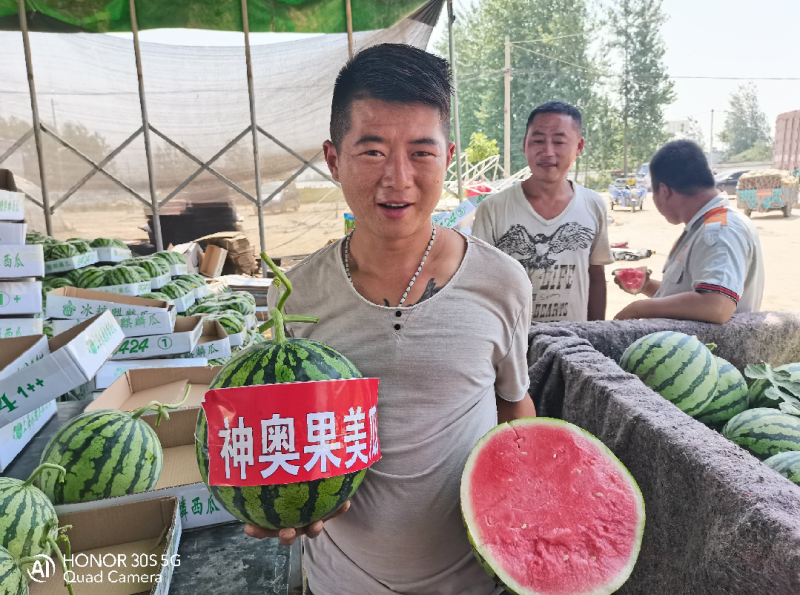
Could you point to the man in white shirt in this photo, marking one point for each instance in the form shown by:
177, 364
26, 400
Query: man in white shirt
555, 228
716, 267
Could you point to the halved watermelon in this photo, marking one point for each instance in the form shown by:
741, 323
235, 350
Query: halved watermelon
632, 280
549, 510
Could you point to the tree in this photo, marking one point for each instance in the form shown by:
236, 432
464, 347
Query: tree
480, 147
550, 59
645, 86
745, 123
692, 131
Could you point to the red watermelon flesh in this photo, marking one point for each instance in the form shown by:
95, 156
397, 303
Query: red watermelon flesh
550, 510
632, 279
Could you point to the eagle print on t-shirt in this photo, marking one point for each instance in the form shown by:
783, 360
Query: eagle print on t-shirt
537, 254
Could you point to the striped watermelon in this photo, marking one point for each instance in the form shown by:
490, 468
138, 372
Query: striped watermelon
29, 525
170, 257
142, 272
185, 284
105, 453
34, 237
173, 291
730, 396
282, 360
74, 275
237, 303
58, 250
91, 278
787, 464
677, 366
122, 275
232, 321
156, 295
12, 579
764, 432
152, 267
82, 246
108, 243
757, 394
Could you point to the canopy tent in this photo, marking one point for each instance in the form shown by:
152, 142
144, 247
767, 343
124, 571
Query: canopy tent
193, 104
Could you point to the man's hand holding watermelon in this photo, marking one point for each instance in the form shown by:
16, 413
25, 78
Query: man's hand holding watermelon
288, 535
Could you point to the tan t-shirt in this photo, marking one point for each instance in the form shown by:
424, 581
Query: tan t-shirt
556, 253
440, 364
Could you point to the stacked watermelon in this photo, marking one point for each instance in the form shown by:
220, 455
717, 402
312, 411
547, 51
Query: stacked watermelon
272, 362
171, 258
28, 527
108, 243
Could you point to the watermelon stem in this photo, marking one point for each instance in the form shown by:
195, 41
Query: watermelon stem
161, 408
277, 316
58, 468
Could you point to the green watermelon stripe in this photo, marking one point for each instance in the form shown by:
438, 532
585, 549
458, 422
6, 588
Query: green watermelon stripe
653, 369
699, 379
108, 466
646, 345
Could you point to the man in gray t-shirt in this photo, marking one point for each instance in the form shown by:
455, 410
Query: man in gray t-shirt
440, 318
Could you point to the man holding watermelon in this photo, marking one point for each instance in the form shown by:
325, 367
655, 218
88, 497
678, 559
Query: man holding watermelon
439, 317
716, 267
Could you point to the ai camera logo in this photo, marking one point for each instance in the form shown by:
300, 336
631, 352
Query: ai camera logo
42, 569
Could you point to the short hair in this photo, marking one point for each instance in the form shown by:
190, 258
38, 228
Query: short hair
682, 166
394, 73
557, 107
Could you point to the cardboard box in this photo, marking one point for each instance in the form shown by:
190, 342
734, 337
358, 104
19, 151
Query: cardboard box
20, 297
137, 317
237, 339
193, 254
21, 261
111, 254
12, 202
184, 303
20, 327
214, 343
12, 234
180, 476
62, 265
69, 360
160, 281
136, 388
213, 261
232, 241
16, 435
201, 292
128, 548
114, 369
183, 339
131, 289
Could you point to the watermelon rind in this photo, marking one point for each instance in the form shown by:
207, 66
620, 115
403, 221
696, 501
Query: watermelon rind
105, 453
787, 464
290, 505
764, 432
731, 396
675, 365
12, 581
483, 553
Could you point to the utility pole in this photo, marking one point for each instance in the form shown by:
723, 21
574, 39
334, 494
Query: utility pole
457, 123
711, 144
507, 122
625, 98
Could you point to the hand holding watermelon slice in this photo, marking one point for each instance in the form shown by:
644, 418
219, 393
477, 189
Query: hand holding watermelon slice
632, 280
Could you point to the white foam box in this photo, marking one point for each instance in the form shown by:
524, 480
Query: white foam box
135, 545
114, 369
34, 370
12, 234
251, 321
180, 475
201, 292
20, 297
213, 343
21, 261
183, 339
137, 317
62, 265
20, 327
112, 254
131, 289
176, 270
16, 435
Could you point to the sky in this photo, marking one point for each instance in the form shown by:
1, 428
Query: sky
744, 39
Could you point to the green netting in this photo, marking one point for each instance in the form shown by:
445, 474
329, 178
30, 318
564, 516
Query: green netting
281, 16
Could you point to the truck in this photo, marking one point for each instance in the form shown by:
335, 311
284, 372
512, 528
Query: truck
786, 150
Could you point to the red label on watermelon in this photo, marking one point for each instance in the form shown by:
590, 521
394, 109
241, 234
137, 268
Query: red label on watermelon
288, 433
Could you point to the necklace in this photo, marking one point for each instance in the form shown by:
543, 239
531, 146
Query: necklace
413, 279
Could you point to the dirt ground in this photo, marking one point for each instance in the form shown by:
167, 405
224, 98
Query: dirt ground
309, 228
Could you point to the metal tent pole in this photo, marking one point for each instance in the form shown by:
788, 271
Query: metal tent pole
37, 126
254, 130
148, 149
450, 19
349, 10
